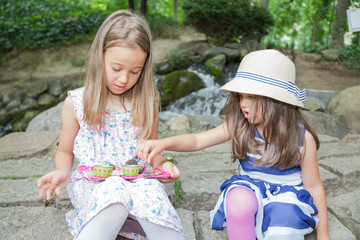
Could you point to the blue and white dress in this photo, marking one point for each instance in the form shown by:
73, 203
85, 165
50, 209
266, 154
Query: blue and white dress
285, 210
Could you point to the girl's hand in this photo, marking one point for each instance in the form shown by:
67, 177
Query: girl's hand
53, 181
148, 149
172, 169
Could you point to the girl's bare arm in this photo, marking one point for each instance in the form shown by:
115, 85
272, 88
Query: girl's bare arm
147, 149
57, 179
313, 184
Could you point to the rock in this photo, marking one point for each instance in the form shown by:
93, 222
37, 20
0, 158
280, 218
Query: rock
37, 89
22, 123
13, 104
178, 123
215, 66
330, 54
346, 103
312, 57
178, 84
324, 95
314, 104
22, 144
163, 68
49, 120
46, 101
57, 87
204, 122
327, 124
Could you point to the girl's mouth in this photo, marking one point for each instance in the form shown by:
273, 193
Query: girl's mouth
246, 114
119, 87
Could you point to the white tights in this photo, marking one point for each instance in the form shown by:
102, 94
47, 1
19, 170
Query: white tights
106, 225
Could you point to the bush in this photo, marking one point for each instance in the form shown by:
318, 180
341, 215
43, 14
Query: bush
41, 23
224, 20
162, 26
350, 56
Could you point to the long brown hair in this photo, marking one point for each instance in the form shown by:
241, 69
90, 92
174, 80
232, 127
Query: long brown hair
126, 29
283, 132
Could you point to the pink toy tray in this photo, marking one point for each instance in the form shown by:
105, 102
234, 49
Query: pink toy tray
87, 172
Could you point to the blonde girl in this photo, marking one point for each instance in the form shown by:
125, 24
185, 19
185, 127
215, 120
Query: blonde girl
278, 193
101, 124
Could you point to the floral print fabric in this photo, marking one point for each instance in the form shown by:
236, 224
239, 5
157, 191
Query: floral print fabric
144, 198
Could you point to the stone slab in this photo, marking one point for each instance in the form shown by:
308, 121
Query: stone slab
343, 166
346, 208
338, 149
187, 220
22, 144
28, 167
203, 228
33, 223
23, 191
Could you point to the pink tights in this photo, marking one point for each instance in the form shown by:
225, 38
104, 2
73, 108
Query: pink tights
241, 207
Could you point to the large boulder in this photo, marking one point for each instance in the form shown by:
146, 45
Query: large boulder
178, 84
49, 120
326, 124
346, 103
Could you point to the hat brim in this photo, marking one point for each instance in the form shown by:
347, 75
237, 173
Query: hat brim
244, 85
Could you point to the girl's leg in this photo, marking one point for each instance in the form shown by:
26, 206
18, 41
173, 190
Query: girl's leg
106, 225
157, 232
241, 207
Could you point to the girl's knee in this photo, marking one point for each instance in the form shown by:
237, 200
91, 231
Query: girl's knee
241, 202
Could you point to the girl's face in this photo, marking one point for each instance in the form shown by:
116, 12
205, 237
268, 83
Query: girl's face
123, 67
251, 112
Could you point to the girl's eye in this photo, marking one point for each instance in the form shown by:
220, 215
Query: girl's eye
135, 72
116, 70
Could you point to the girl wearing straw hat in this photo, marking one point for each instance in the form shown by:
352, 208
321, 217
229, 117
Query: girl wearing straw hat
278, 193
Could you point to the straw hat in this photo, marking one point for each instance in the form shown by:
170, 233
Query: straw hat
267, 73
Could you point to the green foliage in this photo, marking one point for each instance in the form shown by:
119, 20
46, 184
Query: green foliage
41, 23
223, 20
179, 193
177, 60
301, 24
350, 56
162, 26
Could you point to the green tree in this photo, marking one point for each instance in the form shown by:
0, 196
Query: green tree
337, 36
223, 20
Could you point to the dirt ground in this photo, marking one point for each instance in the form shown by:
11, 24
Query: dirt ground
325, 75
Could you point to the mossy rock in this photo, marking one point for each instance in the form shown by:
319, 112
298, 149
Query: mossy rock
215, 66
178, 84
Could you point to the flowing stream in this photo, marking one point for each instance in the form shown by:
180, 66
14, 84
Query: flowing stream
207, 101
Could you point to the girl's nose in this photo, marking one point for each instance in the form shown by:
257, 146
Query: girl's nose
243, 102
123, 78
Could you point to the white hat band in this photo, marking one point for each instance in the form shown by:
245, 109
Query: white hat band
289, 86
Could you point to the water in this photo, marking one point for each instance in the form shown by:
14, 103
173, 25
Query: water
207, 101
4, 129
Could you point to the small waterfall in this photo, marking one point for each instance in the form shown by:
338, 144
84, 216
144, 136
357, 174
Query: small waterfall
207, 101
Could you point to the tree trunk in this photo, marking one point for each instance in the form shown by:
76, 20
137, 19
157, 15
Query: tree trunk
264, 3
313, 35
131, 4
143, 7
337, 37
176, 9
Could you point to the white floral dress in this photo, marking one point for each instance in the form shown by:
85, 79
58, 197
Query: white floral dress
144, 198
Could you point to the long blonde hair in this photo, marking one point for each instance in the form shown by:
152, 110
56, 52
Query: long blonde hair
121, 28
283, 132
